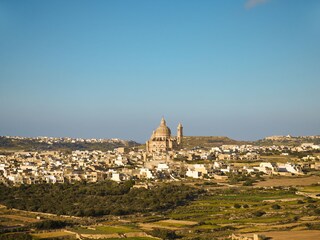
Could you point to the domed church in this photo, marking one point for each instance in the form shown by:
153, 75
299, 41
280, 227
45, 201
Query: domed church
162, 141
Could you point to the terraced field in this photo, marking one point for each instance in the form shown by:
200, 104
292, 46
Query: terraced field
248, 210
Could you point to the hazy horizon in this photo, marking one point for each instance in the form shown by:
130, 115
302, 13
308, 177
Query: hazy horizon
112, 69
142, 141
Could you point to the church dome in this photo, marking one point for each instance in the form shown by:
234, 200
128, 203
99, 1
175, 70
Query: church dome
162, 130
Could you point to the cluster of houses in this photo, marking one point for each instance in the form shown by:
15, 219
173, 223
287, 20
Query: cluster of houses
124, 164
291, 138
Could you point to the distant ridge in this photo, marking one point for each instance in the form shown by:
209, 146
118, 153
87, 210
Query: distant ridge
67, 144
190, 142
288, 140
210, 141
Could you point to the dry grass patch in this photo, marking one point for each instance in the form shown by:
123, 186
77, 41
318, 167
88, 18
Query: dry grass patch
170, 224
150, 226
178, 222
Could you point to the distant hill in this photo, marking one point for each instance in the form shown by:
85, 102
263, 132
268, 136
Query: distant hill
215, 141
32, 144
287, 140
210, 141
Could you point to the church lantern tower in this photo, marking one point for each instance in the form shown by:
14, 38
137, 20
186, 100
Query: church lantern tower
179, 134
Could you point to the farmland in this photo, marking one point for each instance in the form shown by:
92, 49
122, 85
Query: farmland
216, 214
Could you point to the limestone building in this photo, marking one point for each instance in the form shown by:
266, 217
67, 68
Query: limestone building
162, 141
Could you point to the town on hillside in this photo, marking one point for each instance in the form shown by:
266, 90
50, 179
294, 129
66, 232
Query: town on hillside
163, 158
173, 187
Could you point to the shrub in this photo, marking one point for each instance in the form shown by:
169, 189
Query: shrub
276, 207
310, 200
317, 211
300, 202
312, 206
164, 234
237, 205
313, 226
248, 183
259, 213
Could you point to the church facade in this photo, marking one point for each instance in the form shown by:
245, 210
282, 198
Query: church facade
162, 141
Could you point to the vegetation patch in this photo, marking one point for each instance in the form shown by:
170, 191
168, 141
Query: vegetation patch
96, 199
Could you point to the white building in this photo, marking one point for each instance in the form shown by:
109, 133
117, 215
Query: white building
193, 173
146, 172
267, 167
162, 167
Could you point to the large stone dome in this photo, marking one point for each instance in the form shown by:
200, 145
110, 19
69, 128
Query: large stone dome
162, 131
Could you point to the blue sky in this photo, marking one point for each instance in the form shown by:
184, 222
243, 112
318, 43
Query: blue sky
113, 68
